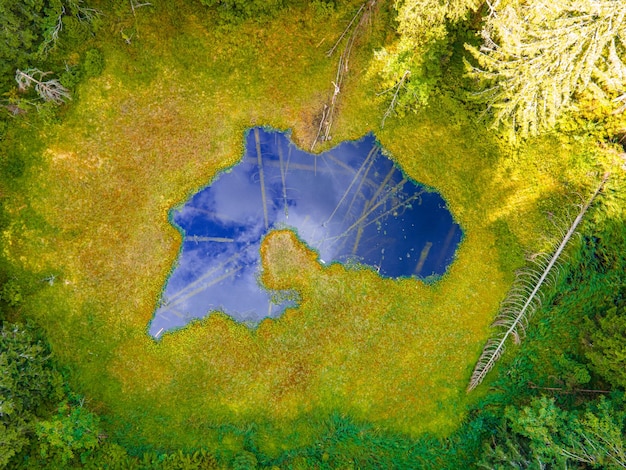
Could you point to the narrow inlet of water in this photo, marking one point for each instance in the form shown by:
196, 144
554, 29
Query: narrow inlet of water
351, 204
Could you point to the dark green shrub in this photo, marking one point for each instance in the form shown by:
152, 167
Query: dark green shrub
70, 78
93, 64
245, 461
11, 293
70, 434
12, 165
28, 386
233, 11
608, 349
323, 9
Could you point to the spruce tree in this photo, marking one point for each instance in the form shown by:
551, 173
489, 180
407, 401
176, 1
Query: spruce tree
538, 56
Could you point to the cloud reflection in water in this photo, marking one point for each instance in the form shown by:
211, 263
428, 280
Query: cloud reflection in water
351, 204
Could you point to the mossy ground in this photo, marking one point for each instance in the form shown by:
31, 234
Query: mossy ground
168, 113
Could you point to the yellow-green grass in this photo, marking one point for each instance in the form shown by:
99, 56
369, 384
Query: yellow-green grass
168, 113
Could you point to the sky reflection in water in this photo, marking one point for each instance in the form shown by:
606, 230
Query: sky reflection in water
351, 204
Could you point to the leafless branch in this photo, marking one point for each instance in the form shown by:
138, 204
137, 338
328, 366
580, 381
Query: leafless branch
49, 90
391, 107
345, 31
351, 33
134, 5
565, 390
52, 35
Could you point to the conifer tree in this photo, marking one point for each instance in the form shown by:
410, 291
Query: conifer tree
538, 56
411, 67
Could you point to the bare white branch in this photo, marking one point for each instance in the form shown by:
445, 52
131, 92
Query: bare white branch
516, 310
351, 33
134, 6
398, 87
48, 90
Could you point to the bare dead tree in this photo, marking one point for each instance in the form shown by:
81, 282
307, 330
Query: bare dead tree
523, 299
350, 34
48, 90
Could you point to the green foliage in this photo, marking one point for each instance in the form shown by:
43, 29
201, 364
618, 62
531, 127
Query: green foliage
536, 59
22, 27
70, 77
574, 427
20, 149
233, 11
422, 21
544, 434
425, 72
93, 64
347, 444
48, 113
509, 451
72, 437
31, 31
27, 378
28, 385
72, 431
115, 457
12, 165
11, 293
245, 461
607, 339
76, 31
323, 9
423, 50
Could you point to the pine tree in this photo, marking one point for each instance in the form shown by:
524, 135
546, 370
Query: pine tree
537, 56
411, 67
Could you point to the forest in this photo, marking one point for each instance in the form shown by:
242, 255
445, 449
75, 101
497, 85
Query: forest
113, 112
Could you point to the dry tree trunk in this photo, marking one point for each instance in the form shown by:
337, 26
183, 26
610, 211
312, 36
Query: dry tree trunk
521, 302
49, 90
361, 17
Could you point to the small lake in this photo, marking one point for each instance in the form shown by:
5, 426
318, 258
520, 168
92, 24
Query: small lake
351, 204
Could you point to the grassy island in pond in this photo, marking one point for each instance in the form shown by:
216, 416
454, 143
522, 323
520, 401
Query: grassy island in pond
376, 359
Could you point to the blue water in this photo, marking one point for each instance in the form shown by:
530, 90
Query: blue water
351, 204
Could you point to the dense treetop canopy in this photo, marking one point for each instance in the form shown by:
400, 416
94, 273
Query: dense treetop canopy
538, 57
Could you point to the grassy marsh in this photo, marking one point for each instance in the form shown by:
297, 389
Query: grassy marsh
168, 113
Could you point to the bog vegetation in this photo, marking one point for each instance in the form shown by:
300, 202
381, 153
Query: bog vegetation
114, 111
